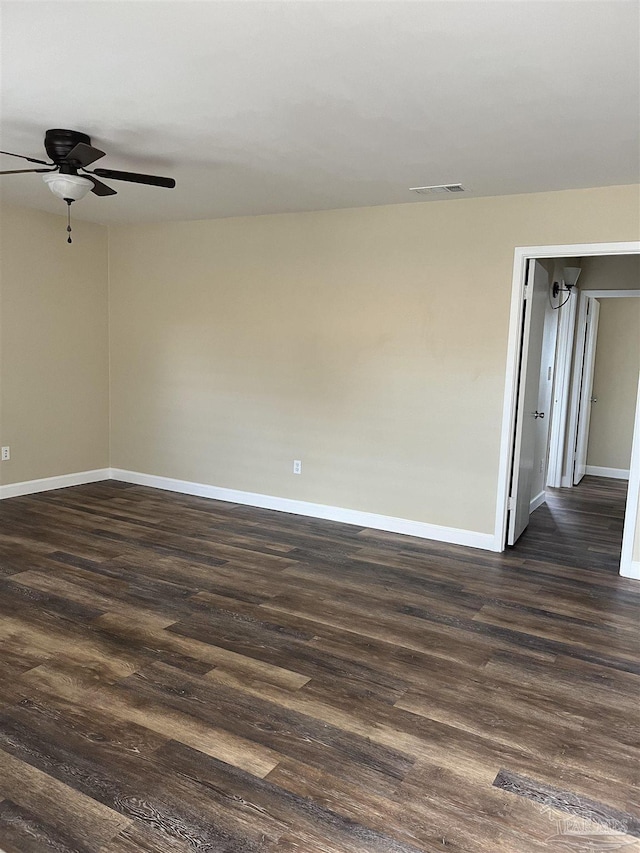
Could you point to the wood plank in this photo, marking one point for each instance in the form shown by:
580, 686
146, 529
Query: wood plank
57, 805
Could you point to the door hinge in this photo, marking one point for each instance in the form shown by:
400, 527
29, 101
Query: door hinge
511, 503
526, 291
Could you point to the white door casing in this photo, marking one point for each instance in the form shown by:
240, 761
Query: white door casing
586, 390
536, 298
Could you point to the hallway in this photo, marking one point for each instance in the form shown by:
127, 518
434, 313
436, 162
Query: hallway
579, 528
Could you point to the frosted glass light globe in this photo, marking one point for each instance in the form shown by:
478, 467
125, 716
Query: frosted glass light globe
68, 186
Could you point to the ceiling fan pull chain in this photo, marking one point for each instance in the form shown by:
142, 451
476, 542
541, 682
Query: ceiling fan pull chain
69, 200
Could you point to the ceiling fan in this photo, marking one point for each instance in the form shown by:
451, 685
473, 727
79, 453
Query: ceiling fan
71, 152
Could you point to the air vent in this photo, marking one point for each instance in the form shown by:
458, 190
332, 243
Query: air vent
438, 188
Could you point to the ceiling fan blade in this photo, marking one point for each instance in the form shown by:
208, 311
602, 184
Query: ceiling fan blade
99, 188
30, 159
83, 154
135, 178
25, 171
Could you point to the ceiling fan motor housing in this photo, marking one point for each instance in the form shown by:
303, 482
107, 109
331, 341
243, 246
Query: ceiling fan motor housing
58, 143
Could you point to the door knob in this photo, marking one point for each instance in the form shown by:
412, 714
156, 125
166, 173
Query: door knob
538, 414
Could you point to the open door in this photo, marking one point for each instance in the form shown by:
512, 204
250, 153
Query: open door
586, 390
536, 298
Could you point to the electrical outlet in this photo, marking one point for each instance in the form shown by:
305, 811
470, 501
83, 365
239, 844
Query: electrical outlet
297, 466
6, 454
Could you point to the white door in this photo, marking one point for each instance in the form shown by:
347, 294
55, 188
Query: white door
536, 298
586, 390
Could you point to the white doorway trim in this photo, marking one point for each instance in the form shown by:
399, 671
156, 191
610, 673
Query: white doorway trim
574, 402
610, 294
522, 255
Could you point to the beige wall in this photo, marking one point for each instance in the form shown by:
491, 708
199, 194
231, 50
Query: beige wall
54, 391
615, 383
368, 343
616, 272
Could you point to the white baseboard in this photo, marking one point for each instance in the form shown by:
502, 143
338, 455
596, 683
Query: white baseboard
632, 570
420, 529
372, 520
537, 501
30, 487
616, 473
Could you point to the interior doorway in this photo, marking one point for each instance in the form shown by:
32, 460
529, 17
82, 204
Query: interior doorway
549, 394
594, 371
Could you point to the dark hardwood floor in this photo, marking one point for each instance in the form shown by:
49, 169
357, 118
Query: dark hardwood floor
580, 527
182, 675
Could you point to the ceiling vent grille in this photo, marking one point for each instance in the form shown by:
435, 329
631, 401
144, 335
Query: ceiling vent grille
438, 188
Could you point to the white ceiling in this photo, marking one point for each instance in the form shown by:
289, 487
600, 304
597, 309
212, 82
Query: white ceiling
265, 107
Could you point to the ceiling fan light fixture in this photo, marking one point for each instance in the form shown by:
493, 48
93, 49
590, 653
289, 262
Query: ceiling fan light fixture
68, 186
70, 150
